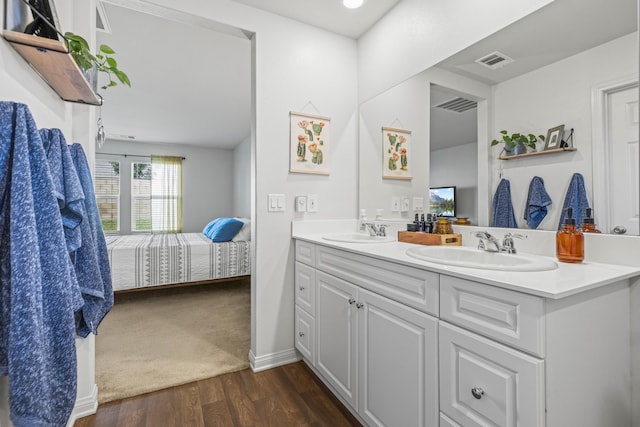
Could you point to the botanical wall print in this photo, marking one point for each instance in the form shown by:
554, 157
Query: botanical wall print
396, 159
309, 151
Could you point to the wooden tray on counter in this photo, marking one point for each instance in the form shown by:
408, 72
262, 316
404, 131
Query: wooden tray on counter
430, 238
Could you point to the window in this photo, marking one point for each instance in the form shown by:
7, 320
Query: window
156, 195
107, 187
150, 199
141, 196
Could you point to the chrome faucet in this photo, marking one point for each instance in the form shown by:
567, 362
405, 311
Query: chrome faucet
507, 243
379, 230
487, 242
491, 244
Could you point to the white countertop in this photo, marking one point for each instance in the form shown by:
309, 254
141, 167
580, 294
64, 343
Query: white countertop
566, 280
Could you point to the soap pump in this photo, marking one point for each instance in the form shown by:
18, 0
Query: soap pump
570, 241
588, 224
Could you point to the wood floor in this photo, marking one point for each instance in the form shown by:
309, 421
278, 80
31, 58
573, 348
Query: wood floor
289, 395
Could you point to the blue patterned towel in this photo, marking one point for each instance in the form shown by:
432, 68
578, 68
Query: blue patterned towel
503, 215
92, 260
66, 185
37, 287
576, 198
537, 202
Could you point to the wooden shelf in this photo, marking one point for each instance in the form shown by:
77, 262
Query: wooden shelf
51, 59
537, 153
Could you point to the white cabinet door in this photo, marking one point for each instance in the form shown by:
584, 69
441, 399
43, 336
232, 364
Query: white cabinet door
483, 383
305, 282
336, 329
398, 364
305, 335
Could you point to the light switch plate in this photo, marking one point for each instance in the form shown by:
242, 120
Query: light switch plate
405, 205
418, 204
312, 203
275, 203
301, 203
395, 204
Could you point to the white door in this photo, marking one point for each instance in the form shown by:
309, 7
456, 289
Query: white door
398, 363
336, 328
625, 178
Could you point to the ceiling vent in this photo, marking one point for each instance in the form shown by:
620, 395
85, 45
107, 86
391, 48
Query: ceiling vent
495, 60
459, 105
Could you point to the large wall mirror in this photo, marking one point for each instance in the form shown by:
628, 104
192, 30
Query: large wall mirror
574, 63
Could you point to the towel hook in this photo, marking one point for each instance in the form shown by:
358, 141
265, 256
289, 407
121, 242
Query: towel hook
501, 171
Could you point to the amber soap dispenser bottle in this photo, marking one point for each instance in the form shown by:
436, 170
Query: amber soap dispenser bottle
570, 241
588, 224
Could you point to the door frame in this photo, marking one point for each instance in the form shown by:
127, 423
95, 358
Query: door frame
601, 145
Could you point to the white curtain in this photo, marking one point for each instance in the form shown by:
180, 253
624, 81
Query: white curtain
166, 194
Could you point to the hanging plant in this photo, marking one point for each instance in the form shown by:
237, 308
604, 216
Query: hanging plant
102, 61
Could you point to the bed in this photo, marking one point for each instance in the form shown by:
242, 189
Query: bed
146, 260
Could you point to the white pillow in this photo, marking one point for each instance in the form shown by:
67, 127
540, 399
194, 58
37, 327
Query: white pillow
245, 232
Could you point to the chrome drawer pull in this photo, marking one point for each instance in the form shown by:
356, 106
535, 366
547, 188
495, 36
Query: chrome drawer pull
301, 288
477, 392
359, 305
352, 300
301, 334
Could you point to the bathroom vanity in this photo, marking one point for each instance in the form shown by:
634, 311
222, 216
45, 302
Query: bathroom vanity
404, 342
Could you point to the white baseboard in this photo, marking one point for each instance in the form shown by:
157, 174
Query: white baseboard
85, 406
268, 361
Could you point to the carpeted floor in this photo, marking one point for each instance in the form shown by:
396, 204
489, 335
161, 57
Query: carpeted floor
156, 339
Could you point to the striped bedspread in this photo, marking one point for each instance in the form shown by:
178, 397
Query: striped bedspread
143, 260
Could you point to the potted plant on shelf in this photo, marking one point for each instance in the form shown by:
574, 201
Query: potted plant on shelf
100, 62
517, 143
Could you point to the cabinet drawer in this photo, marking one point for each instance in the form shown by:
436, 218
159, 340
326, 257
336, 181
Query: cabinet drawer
306, 253
305, 284
507, 316
414, 287
485, 383
305, 335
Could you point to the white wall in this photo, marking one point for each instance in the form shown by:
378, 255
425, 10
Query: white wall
458, 166
553, 95
207, 180
242, 179
418, 34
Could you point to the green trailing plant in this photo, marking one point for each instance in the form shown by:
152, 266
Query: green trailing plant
510, 141
104, 63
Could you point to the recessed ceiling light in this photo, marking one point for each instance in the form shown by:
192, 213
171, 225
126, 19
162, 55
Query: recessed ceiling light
352, 4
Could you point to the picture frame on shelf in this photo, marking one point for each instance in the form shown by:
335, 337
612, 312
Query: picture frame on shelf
309, 143
396, 153
554, 138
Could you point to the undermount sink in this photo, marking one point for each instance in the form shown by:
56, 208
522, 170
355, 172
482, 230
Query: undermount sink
357, 238
475, 258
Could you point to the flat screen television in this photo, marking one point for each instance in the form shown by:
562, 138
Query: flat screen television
442, 201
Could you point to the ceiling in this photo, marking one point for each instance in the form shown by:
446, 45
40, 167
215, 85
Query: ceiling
328, 14
191, 82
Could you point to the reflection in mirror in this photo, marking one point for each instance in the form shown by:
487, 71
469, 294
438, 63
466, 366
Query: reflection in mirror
453, 148
566, 76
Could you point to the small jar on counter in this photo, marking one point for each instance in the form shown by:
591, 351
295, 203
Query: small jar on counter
462, 221
442, 226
